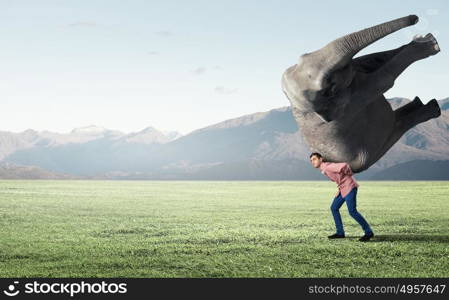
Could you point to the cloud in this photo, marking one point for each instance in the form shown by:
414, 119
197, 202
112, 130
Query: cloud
199, 71
164, 33
83, 24
217, 68
224, 90
153, 53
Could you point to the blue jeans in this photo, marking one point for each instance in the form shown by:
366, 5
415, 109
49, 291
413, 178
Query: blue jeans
351, 203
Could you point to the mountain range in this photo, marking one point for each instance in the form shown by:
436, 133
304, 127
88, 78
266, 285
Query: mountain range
260, 146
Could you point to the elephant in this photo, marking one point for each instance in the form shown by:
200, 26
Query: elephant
337, 100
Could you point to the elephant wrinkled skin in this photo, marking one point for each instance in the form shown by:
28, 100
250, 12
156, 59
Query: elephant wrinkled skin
338, 100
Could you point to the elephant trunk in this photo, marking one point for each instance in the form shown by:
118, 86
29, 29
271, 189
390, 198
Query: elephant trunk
340, 51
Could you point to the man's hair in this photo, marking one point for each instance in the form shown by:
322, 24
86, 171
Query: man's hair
317, 154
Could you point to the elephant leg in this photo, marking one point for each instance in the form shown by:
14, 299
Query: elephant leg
418, 115
381, 80
371, 62
417, 49
405, 122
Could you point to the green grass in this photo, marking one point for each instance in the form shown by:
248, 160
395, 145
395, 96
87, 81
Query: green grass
219, 229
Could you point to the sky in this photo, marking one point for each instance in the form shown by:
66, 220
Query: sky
183, 65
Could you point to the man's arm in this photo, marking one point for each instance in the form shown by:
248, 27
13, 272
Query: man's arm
342, 167
347, 170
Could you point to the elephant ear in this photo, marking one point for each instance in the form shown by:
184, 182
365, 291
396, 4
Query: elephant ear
333, 109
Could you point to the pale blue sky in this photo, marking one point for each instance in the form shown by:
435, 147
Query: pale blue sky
183, 65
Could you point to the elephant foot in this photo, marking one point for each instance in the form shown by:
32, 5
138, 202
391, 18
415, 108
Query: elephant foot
429, 111
419, 115
408, 108
433, 109
426, 45
417, 102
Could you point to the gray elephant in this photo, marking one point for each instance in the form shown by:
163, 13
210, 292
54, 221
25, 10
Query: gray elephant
338, 100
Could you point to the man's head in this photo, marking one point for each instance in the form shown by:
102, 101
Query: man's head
316, 159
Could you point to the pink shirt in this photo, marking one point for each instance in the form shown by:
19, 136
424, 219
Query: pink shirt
341, 173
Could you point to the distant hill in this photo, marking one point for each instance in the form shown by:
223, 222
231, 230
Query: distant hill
416, 170
11, 142
263, 145
13, 171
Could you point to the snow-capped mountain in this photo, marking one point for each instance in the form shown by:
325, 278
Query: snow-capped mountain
11, 142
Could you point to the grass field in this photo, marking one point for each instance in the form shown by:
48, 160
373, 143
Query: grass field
219, 229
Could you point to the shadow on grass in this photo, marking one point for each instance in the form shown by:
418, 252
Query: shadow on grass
410, 238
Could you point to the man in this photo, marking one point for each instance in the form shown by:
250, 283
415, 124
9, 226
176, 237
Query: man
341, 173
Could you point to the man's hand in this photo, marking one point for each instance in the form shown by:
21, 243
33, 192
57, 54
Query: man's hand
347, 170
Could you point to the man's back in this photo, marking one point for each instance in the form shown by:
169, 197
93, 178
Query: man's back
340, 173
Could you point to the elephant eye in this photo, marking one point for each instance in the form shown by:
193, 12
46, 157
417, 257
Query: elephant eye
333, 88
